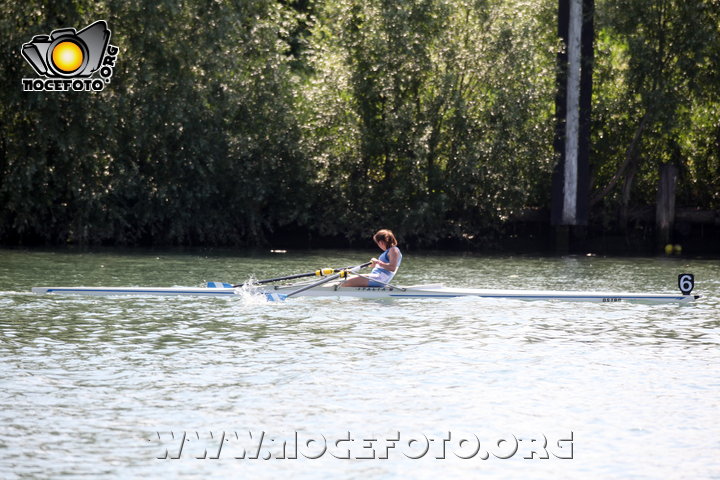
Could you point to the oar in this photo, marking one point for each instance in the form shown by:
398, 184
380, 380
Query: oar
279, 296
315, 273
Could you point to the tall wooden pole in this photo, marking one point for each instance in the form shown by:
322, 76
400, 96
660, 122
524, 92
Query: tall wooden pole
572, 112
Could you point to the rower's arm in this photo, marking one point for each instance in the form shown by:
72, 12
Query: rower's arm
392, 264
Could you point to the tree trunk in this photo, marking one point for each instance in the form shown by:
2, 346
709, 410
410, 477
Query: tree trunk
631, 155
665, 210
626, 192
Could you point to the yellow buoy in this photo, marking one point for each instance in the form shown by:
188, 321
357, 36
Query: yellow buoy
668, 249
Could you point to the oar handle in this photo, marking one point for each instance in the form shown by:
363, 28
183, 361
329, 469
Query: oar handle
356, 266
325, 280
316, 273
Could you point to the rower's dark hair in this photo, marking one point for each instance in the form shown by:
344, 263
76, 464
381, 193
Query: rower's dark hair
386, 236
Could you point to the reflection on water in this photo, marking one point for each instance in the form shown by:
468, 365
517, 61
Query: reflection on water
86, 382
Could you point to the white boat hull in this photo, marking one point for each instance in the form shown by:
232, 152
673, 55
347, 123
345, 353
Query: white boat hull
415, 291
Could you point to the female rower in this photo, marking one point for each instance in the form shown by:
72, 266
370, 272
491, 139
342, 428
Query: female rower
383, 268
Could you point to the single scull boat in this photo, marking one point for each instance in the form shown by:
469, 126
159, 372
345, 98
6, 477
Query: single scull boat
273, 292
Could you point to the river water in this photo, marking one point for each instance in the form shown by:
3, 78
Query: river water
111, 387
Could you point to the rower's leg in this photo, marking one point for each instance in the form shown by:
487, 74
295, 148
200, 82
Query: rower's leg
355, 282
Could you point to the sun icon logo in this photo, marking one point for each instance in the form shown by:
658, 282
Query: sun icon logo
67, 56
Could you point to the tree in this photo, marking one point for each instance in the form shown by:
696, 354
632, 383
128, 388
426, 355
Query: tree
654, 88
431, 116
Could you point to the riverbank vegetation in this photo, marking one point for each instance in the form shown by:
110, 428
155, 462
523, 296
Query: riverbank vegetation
241, 123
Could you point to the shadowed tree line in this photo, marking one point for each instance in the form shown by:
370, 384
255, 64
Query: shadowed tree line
237, 123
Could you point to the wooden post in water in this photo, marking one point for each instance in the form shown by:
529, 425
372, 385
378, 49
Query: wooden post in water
572, 118
665, 209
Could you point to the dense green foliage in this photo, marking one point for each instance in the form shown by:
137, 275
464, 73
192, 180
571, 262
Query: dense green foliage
431, 116
657, 100
228, 122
